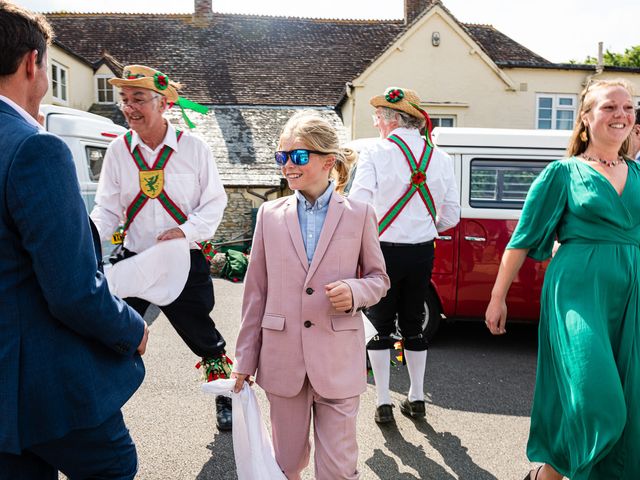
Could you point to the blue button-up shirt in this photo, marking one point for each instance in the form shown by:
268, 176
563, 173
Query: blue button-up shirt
311, 218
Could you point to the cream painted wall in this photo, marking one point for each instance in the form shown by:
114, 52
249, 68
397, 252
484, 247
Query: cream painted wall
457, 78
538, 81
80, 82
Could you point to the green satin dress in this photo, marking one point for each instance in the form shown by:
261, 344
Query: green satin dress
585, 419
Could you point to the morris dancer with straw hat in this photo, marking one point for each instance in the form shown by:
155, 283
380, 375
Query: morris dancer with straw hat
412, 187
161, 183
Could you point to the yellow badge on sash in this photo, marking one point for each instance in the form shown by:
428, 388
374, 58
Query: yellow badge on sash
151, 182
117, 238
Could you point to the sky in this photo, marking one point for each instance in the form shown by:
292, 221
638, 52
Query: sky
558, 30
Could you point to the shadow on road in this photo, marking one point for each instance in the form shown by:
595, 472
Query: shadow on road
455, 454
385, 466
222, 464
470, 370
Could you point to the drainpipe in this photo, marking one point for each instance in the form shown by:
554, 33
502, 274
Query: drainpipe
348, 87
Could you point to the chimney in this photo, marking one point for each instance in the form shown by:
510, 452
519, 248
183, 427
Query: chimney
600, 64
202, 11
413, 8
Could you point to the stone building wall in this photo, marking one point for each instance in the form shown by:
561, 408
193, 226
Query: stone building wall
237, 220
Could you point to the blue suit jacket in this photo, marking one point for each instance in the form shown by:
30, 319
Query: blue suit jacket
67, 347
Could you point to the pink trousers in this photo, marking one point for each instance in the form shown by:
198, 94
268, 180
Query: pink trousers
334, 425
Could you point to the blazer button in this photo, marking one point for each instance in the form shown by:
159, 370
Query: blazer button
307, 324
309, 291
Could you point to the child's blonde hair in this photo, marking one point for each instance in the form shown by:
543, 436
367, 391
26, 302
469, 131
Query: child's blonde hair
318, 134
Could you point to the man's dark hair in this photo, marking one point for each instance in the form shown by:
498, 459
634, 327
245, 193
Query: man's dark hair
21, 31
638, 115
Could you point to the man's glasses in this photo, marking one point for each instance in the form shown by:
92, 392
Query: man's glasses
298, 157
135, 104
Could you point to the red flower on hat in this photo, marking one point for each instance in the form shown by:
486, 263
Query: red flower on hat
393, 95
418, 178
161, 81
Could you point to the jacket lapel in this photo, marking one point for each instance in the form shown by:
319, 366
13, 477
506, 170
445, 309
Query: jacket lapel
293, 225
336, 207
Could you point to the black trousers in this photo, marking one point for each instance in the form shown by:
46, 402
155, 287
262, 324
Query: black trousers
409, 269
189, 313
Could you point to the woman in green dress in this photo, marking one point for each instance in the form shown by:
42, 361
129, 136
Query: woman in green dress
585, 419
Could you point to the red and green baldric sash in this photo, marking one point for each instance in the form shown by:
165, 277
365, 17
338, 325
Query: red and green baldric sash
152, 186
418, 183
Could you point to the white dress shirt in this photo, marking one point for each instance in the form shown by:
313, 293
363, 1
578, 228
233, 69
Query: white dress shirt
383, 176
23, 113
191, 180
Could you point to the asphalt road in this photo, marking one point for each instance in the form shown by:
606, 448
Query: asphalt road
478, 387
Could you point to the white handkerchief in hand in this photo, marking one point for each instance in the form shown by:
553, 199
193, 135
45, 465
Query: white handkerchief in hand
369, 330
157, 275
252, 445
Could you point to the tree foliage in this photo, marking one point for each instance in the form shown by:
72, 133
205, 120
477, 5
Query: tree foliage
630, 58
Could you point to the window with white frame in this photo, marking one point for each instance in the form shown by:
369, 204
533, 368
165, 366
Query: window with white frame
105, 93
443, 120
59, 79
555, 111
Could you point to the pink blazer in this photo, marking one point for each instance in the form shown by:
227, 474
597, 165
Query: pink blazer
289, 328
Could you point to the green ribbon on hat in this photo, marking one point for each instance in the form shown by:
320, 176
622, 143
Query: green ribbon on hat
183, 103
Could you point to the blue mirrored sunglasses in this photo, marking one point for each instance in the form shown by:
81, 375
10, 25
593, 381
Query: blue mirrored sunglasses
298, 157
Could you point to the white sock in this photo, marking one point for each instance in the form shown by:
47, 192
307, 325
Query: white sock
380, 364
416, 364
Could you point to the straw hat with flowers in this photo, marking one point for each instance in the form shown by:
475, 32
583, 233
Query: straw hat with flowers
407, 101
141, 76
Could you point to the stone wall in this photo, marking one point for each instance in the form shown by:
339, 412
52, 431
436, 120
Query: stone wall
236, 222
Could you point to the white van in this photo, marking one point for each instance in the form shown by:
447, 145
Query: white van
494, 169
88, 136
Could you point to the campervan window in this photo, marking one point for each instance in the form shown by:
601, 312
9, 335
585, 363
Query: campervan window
501, 183
95, 156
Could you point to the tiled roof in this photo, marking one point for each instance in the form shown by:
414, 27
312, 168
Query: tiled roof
253, 60
235, 59
502, 49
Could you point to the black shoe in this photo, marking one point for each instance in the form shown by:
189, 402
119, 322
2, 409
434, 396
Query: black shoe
413, 409
223, 413
384, 414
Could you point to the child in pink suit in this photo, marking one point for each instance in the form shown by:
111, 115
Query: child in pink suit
315, 263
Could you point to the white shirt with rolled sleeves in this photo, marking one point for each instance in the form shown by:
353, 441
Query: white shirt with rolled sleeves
191, 180
383, 176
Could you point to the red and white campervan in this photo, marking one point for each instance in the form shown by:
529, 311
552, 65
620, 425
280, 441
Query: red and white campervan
494, 169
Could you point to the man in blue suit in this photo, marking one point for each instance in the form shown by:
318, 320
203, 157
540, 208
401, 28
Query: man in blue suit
69, 350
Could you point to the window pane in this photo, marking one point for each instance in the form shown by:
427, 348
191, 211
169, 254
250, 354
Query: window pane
565, 101
545, 102
63, 76
446, 122
544, 114
109, 97
483, 184
516, 183
95, 156
544, 124
564, 120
